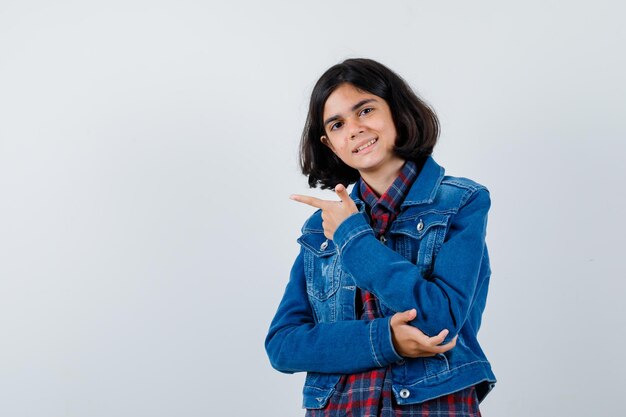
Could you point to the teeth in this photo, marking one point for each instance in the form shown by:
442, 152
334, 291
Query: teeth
360, 148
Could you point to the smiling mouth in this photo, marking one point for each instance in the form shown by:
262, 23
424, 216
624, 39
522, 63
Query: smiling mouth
365, 146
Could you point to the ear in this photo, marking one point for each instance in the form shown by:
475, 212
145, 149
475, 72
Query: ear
324, 139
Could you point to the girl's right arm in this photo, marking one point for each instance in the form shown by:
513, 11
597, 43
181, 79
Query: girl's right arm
296, 343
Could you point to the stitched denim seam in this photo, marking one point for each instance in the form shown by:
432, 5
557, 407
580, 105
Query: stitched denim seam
423, 380
372, 345
461, 184
354, 235
466, 197
393, 348
409, 218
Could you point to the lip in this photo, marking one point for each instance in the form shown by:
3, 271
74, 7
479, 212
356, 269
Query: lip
363, 143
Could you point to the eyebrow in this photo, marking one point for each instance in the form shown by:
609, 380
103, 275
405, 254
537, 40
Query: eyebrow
356, 106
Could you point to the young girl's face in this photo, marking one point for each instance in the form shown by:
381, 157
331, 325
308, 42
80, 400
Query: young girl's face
359, 129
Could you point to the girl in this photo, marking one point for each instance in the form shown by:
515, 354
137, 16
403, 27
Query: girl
384, 301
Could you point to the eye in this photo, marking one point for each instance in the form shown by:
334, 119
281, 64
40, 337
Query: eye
367, 110
336, 126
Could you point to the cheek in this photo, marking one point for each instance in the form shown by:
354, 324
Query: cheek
339, 147
389, 125
392, 133
384, 125
345, 154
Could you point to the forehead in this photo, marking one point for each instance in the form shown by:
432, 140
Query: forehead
344, 97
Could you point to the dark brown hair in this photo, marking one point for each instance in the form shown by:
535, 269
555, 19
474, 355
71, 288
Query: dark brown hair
416, 123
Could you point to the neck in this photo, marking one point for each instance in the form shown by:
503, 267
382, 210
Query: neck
381, 179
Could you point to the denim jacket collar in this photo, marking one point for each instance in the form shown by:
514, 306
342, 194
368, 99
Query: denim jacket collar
424, 188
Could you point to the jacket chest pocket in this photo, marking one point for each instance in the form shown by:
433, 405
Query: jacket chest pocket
323, 274
419, 238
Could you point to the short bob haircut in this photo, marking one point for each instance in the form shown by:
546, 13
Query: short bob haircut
416, 123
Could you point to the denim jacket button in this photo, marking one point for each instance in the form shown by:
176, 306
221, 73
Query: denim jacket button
400, 362
324, 245
404, 393
420, 226
383, 238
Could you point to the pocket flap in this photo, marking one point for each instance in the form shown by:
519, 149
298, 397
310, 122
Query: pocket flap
418, 226
318, 244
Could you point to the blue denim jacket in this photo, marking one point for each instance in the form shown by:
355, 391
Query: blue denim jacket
433, 259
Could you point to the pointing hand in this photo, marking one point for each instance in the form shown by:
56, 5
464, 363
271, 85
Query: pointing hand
333, 212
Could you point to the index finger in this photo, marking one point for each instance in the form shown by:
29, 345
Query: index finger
307, 199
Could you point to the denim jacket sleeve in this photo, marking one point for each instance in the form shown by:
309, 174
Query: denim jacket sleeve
443, 299
296, 343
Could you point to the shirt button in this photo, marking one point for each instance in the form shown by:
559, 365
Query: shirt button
420, 226
324, 245
404, 393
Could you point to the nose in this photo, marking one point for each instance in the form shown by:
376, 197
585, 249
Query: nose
355, 128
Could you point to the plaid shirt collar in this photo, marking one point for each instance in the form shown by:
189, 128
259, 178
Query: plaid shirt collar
385, 208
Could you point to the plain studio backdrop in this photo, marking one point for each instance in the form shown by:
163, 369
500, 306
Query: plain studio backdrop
148, 149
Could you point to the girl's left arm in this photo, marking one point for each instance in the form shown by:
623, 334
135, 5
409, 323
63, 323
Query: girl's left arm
444, 298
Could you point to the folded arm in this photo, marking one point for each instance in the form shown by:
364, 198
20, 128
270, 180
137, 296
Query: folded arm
442, 300
296, 343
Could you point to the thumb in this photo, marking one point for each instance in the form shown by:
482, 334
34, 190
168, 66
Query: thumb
410, 314
405, 316
342, 193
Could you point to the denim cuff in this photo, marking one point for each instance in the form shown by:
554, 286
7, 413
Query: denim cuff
381, 343
355, 225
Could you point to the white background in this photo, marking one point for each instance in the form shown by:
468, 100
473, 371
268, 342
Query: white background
148, 149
